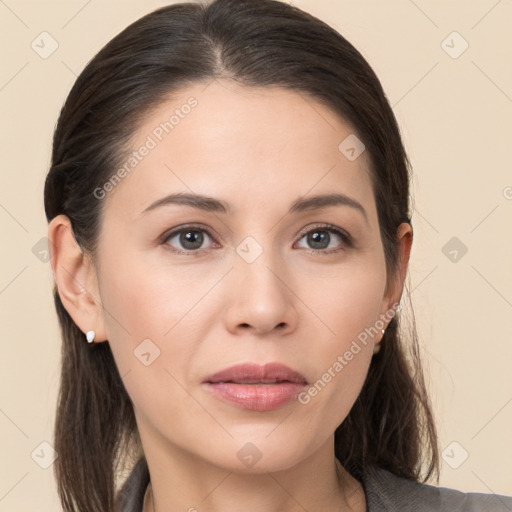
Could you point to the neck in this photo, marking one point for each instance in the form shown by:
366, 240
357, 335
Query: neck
317, 483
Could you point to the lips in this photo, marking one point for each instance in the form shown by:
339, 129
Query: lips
250, 373
256, 387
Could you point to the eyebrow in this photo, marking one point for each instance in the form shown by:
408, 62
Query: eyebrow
325, 200
210, 204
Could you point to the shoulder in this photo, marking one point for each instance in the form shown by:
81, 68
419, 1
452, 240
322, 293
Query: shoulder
131, 495
386, 492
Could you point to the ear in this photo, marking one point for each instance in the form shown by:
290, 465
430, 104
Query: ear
393, 293
75, 277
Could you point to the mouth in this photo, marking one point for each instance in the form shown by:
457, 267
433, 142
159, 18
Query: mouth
255, 387
252, 373
251, 381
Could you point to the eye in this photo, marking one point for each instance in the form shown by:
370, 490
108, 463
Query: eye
188, 239
320, 239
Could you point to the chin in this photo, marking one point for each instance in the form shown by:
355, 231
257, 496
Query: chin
258, 454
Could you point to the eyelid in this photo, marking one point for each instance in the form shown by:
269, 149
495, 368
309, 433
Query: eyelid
326, 226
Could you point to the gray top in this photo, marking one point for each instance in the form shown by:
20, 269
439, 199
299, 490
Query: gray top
385, 492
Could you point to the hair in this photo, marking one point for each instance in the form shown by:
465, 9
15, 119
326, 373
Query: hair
255, 43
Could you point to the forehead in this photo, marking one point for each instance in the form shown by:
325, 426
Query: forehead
240, 143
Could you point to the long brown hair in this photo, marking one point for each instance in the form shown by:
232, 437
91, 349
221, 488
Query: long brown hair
257, 43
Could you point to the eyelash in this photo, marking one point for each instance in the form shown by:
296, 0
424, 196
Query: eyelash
346, 239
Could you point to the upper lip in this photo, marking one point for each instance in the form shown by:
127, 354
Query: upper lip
252, 373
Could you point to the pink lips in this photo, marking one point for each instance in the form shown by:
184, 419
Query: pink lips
256, 387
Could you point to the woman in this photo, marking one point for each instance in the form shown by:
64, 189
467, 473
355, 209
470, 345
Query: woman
229, 219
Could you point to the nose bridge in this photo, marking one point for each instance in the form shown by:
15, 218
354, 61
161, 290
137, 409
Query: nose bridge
257, 265
261, 299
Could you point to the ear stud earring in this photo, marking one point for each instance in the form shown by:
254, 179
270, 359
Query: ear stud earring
90, 336
376, 347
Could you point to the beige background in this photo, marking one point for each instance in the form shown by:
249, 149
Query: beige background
455, 115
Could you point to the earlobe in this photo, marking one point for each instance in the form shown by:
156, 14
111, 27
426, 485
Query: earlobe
75, 278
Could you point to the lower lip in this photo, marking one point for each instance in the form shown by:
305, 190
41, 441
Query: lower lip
256, 397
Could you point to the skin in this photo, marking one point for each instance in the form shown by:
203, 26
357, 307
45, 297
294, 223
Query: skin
259, 150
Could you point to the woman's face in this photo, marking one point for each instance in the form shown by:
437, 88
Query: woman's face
241, 282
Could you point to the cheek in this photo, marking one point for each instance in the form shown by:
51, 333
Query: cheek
143, 307
348, 299
156, 317
349, 306
147, 312
143, 299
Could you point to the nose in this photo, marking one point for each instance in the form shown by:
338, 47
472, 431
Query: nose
261, 297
